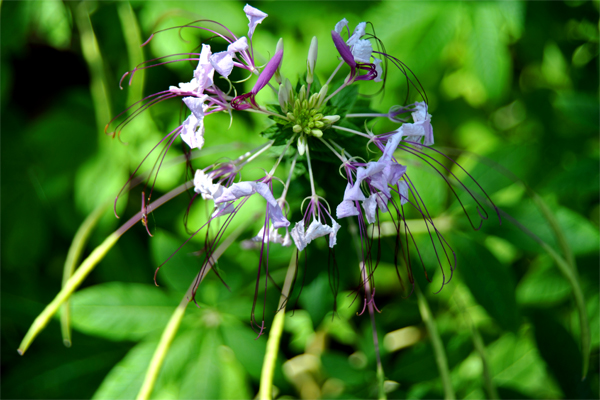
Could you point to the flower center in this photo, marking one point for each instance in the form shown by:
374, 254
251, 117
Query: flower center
306, 119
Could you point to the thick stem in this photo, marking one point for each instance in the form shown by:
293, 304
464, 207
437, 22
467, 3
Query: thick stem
438, 347
86, 267
73, 256
268, 369
173, 325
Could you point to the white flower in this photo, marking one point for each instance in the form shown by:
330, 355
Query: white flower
204, 72
255, 16
377, 62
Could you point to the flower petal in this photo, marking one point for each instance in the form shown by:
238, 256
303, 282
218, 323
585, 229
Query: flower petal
341, 25
298, 235
192, 132
344, 50
222, 62
333, 235
362, 51
255, 16
239, 45
359, 32
268, 72
370, 207
204, 73
346, 208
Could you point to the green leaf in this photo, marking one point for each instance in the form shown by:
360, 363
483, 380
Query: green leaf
125, 379
515, 363
278, 133
417, 364
543, 285
561, 353
344, 100
120, 311
490, 282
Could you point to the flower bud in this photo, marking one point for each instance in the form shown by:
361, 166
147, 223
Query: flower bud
302, 145
312, 60
322, 96
331, 119
277, 74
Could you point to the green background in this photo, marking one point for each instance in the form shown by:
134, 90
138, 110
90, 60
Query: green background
513, 85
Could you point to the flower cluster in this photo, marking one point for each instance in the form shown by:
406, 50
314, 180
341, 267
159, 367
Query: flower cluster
312, 118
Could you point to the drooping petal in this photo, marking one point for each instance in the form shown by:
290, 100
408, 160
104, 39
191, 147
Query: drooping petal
392, 144
255, 16
378, 69
346, 208
223, 209
362, 51
235, 191
341, 25
353, 192
239, 45
204, 186
222, 62
316, 230
298, 235
333, 235
196, 105
370, 207
204, 72
192, 132
403, 189
359, 32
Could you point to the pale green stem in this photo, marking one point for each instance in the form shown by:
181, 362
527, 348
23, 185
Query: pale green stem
568, 267
86, 267
369, 300
133, 40
268, 369
310, 173
73, 283
173, 325
79, 241
490, 387
91, 53
334, 73
341, 128
571, 275
436, 341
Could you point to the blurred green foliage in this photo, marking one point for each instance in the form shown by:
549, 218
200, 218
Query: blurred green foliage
513, 85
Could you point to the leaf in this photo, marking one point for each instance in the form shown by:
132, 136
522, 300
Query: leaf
543, 285
344, 100
515, 363
490, 282
278, 133
561, 353
417, 364
120, 311
125, 379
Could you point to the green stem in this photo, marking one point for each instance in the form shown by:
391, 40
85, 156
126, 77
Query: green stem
480, 348
173, 325
73, 256
369, 299
86, 267
268, 369
133, 39
91, 53
571, 275
436, 341
73, 283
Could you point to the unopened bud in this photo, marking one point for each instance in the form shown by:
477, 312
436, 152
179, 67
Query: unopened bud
297, 128
312, 60
302, 145
331, 119
322, 96
283, 97
277, 74
316, 132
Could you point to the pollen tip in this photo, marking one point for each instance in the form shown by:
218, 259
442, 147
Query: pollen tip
20, 351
